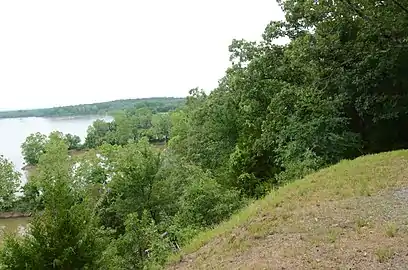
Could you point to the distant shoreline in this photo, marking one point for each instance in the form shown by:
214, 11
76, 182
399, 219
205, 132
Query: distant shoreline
160, 104
9, 215
109, 114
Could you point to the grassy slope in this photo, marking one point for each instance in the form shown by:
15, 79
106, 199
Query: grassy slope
353, 215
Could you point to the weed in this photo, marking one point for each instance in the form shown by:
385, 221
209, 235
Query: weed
332, 235
391, 229
361, 222
384, 254
286, 216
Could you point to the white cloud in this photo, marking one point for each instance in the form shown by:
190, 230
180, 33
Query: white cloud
80, 51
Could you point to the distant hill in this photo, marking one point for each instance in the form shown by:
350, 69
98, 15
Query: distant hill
352, 215
159, 104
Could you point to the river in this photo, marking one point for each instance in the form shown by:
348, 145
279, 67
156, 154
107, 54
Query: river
12, 225
14, 132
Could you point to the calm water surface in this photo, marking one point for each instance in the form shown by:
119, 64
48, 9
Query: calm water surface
12, 225
13, 132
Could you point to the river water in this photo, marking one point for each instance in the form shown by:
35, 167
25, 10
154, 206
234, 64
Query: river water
13, 132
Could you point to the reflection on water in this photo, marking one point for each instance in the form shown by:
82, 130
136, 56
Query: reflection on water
12, 225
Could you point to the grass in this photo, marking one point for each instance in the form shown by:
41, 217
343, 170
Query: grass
362, 222
391, 229
384, 254
302, 210
333, 235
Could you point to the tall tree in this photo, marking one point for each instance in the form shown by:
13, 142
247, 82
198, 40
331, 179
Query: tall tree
64, 234
33, 147
161, 126
9, 183
73, 141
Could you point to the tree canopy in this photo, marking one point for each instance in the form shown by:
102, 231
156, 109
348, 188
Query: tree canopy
129, 125
9, 184
34, 145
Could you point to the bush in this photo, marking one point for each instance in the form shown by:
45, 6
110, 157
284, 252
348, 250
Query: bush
205, 203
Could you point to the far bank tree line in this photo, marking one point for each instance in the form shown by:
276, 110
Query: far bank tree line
336, 91
159, 104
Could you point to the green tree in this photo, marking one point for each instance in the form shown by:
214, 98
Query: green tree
91, 168
100, 132
140, 247
356, 51
33, 147
9, 183
205, 203
64, 235
135, 167
73, 141
161, 126
142, 119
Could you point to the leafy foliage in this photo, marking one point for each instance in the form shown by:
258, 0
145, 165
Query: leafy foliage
63, 235
73, 141
139, 247
33, 147
205, 203
9, 183
98, 133
129, 126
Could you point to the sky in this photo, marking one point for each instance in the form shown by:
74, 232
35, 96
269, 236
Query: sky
56, 53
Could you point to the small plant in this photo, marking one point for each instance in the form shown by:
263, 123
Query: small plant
365, 189
286, 216
332, 235
361, 222
384, 254
391, 229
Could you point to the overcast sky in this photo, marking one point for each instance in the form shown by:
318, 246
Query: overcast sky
55, 53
